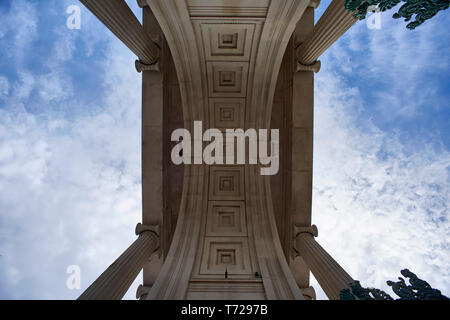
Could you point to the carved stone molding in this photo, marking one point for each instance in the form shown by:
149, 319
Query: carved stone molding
116, 280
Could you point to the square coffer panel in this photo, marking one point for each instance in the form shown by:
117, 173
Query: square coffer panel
226, 183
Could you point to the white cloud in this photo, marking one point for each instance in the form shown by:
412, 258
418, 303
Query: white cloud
69, 187
54, 86
379, 209
380, 205
406, 60
64, 46
4, 87
22, 89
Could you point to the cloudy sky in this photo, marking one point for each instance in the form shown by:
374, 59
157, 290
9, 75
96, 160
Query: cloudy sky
70, 150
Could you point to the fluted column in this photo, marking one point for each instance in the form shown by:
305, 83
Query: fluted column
330, 275
334, 22
301, 122
117, 279
118, 17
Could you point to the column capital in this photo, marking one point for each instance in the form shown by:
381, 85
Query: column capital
142, 292
155, 229
141, 228
312, 230
315, 67
156, 66
140, 66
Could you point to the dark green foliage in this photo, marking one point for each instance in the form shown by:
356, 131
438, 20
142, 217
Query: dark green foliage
422, 9
417, 289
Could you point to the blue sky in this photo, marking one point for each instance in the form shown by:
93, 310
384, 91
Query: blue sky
70, 150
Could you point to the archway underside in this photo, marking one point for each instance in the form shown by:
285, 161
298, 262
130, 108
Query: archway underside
227, 60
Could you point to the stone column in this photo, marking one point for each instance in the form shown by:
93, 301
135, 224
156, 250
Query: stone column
301, 140
302, 131
118, 17
152, 132
330, 275
334, 22
154, 98
117, 279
